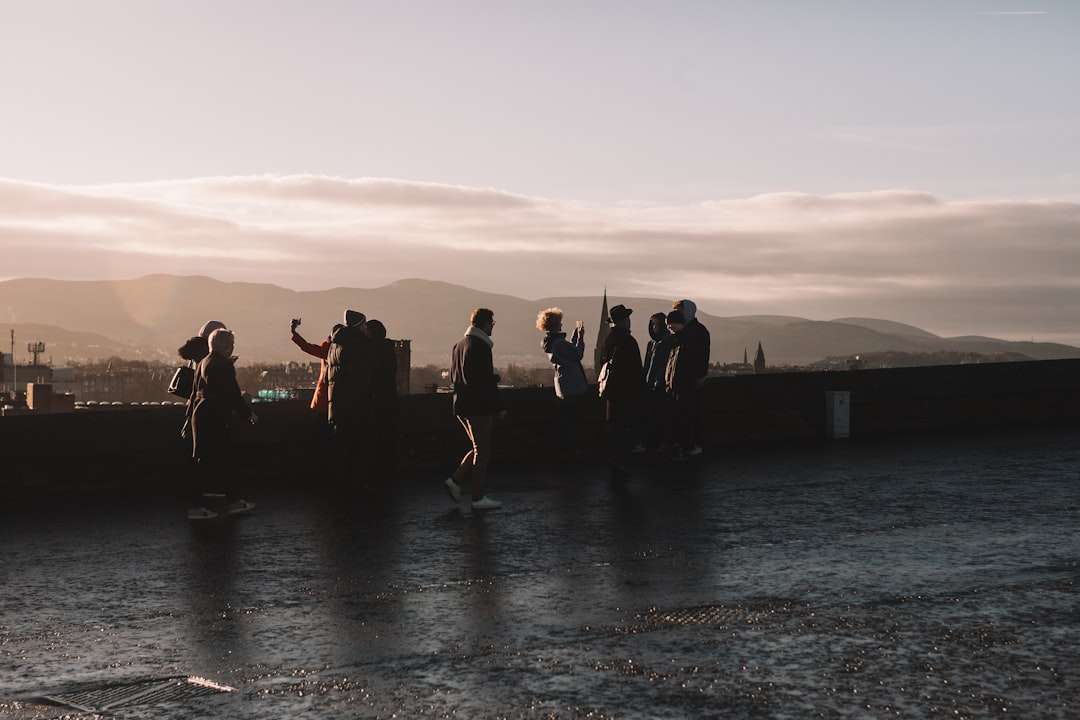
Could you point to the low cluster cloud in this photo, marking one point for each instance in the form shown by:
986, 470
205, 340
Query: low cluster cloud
999, 268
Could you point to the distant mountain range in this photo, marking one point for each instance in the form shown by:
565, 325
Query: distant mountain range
150, 317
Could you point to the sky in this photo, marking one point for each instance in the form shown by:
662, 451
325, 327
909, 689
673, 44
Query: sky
915, 160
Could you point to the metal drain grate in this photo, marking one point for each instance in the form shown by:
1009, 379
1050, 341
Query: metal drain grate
702, 615
145, 692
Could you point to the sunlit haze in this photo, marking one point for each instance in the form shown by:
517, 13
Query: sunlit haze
913, 161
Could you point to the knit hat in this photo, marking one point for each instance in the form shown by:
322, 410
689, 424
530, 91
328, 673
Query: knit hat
354, 317
209, 327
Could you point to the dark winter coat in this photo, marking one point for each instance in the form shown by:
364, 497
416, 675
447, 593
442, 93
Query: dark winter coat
348, 377
384, 373
472, 372
656, 356
626, 377
215, 400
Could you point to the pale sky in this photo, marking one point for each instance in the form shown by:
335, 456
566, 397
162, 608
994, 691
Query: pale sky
917, 161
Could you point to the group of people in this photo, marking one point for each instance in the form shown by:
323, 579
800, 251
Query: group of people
649, 404
356, 390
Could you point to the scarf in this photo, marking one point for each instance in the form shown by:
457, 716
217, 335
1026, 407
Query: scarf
476, 332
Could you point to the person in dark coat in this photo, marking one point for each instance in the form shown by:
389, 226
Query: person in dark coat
384, 400
477, 404
656, 405
215, 401
349, 399
695, 348
624, 391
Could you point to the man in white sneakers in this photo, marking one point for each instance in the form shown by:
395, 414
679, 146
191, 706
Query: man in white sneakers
477, 404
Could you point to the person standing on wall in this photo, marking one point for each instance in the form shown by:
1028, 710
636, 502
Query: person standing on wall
477, 404
623, 390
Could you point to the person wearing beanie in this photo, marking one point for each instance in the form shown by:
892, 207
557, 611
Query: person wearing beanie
696, 346
349, 399
354, 318
209, 327
193, 351
214, 404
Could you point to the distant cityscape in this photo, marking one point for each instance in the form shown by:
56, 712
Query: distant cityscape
120, 381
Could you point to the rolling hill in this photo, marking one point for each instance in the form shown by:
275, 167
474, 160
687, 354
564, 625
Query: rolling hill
150, 317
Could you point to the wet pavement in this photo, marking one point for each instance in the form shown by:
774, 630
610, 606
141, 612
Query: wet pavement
911, 578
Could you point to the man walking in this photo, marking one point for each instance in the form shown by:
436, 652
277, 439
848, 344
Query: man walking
476, 405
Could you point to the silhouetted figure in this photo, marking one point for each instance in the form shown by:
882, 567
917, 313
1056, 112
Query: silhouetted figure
656, 399
349, 398
477, 404
623, 393
696, 348
215, 400
384, 400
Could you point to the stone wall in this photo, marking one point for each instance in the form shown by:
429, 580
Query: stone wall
139, 448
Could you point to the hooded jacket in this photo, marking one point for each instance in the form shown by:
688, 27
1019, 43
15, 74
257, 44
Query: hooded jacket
695, 342
348, 376
656, 356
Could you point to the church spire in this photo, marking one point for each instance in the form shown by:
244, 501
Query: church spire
601, 333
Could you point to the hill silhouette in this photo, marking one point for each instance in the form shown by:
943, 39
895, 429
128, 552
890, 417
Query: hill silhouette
150, 317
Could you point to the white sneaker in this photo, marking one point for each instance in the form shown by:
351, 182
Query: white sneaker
696, 450
486, 503
241, 506
452, 489
200, 513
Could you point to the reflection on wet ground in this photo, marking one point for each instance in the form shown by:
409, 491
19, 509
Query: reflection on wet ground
909, 578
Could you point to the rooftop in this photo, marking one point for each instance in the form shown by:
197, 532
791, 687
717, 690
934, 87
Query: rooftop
907, 576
